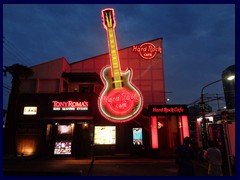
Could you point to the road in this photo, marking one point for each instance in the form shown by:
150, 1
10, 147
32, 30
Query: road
101, 167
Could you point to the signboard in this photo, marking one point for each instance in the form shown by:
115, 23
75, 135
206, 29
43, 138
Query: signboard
70, 105
163, 110
30, 110
203, 107
120, 100
147, 50
137, 136
63, 148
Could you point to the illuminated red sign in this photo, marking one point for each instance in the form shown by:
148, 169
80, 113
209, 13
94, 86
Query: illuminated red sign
168, 109
154, 132
147, 50
120, 100
70, 105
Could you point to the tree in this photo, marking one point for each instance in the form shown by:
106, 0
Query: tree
17, 72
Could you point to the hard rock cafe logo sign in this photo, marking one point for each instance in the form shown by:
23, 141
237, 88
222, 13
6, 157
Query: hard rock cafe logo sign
147, 50
168, 109
120, 102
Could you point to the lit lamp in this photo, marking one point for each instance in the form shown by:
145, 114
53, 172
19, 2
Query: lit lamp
85, 125
203, 107
230, 78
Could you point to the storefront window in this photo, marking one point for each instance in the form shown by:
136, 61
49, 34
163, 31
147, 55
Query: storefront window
63, 143
104, 135
65, 129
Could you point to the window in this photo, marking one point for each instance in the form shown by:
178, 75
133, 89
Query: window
65, 86
104, 135
86, 88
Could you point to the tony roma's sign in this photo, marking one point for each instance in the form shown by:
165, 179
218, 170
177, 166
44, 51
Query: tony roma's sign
70, 105
163, 110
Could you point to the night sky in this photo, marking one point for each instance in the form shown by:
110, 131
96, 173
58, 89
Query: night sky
198, 40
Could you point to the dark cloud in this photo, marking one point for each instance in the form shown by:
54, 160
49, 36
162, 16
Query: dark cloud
198, 40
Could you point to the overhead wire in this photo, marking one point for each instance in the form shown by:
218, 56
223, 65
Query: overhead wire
13, 55
15, 52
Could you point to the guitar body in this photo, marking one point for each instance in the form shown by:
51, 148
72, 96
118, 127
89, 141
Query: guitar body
119, 104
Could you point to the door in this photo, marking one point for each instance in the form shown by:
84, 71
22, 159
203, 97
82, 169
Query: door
81, 141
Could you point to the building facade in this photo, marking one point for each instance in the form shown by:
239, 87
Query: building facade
59, 115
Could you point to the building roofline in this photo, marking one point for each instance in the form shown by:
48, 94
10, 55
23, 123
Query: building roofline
161, 38
57, 59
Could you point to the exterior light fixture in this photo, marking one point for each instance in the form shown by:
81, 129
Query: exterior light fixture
230, 78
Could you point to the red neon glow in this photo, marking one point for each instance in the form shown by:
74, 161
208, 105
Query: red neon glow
120, 100
180, 129
197, 124
147, 50
154, 132
109, 23
168, 110
185, 126
105, 19
121, 104
70, 105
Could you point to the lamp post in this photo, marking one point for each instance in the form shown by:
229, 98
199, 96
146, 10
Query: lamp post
229, 78
204, 140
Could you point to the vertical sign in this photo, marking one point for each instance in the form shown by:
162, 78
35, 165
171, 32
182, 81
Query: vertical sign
180, 129
120, 100
185, 126
154, 134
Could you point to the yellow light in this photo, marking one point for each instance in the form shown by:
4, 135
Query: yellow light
26, 147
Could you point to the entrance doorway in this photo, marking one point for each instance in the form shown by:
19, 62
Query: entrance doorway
168, 133
82, 141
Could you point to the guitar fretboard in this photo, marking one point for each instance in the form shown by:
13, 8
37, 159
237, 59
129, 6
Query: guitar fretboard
115, 65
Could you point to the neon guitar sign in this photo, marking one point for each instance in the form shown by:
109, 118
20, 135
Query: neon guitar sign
120, 100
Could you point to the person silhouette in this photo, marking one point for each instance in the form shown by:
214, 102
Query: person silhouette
214, 157
185, 155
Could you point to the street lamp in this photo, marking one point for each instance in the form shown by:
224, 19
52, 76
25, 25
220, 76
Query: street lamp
204, 140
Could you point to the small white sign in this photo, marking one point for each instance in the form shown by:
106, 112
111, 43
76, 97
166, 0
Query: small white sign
30, 110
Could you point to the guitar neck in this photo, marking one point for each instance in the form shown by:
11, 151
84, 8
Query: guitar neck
115, 64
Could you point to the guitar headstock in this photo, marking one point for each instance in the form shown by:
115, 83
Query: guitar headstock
108, 18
